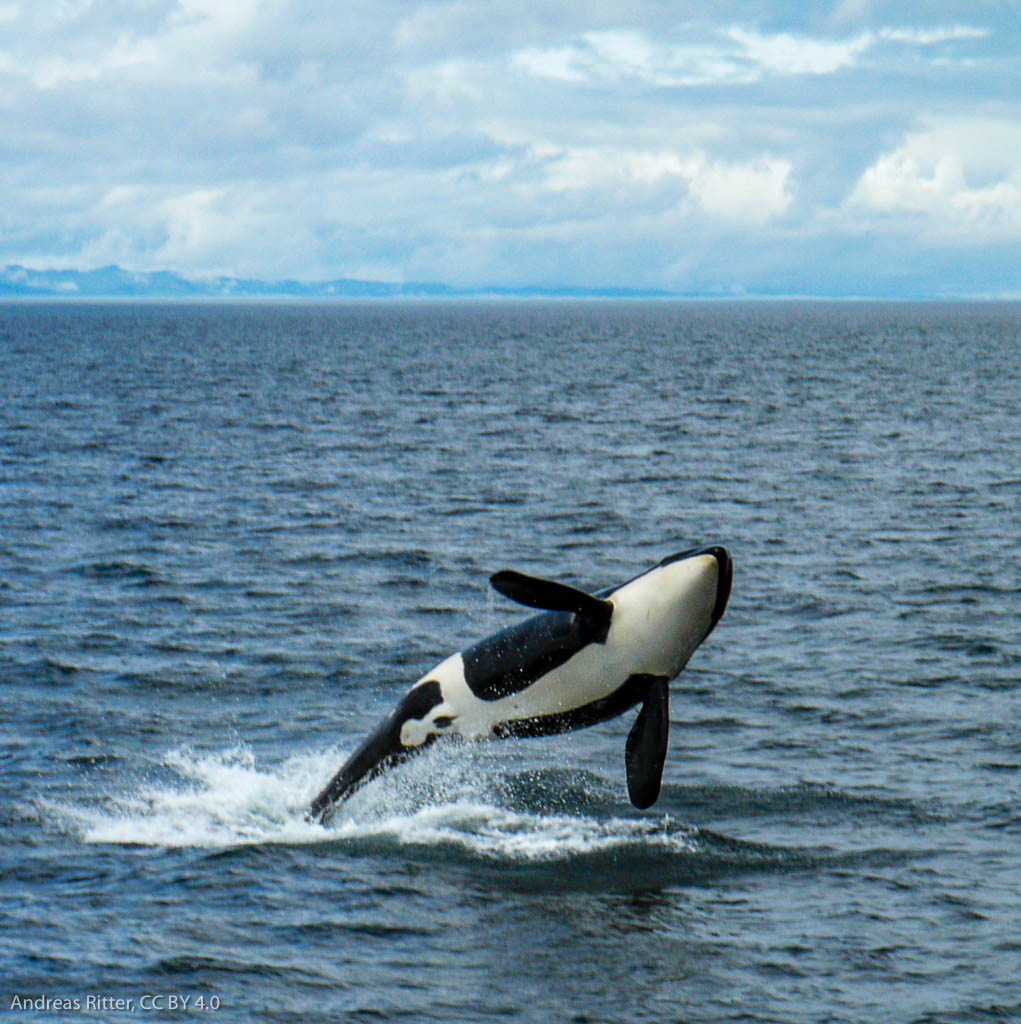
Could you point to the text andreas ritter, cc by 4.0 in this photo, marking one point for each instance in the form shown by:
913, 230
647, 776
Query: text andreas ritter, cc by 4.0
149, 1003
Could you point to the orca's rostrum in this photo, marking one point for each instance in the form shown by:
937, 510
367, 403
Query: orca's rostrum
584, 659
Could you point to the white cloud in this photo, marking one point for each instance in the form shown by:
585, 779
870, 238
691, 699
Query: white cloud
784, 54
732, 56
559, 62
611, 57
751, 194
583, 169
553, 143
958, 181
932, 36
747, 193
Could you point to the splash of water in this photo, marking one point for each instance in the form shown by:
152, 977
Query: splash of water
225, 799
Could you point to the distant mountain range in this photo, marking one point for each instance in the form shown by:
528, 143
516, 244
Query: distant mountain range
116, 283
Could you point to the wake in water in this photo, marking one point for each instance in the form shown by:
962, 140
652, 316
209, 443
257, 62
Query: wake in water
225, 799
452, 804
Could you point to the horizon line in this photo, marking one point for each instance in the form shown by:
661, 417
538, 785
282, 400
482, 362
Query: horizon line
112, 283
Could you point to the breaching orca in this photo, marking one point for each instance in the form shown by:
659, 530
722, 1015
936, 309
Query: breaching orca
586, 658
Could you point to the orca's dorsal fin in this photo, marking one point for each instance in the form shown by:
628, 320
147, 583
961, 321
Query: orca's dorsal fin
645, 752
551, 596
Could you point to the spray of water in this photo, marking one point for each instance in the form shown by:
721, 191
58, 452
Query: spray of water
457, 798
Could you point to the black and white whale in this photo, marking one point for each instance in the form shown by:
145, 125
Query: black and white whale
585, 659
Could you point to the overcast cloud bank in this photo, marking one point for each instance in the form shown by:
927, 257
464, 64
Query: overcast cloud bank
858, 148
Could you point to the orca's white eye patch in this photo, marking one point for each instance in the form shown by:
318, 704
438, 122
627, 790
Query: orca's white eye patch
415, 731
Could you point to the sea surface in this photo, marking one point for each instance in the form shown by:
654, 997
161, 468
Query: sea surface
232, 535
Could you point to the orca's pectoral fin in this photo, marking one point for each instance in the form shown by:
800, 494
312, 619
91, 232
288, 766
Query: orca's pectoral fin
551, 596
645, 752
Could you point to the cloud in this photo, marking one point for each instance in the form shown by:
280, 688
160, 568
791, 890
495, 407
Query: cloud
620, 143
750, 194
957, 182
735, 57
731, 56
785, 54
932, 36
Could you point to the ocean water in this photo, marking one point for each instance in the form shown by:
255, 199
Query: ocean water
230, 537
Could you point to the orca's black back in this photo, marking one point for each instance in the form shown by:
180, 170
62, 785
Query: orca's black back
514, 658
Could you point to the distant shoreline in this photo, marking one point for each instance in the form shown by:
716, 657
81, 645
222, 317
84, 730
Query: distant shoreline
115, 284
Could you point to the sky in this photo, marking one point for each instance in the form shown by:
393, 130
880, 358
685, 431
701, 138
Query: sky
856, 147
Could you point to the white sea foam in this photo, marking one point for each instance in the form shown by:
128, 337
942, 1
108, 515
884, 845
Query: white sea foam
226, 799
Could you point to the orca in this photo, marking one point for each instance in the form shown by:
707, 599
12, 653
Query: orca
585, 658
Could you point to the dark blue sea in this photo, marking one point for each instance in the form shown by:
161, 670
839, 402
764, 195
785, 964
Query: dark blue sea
232, 535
